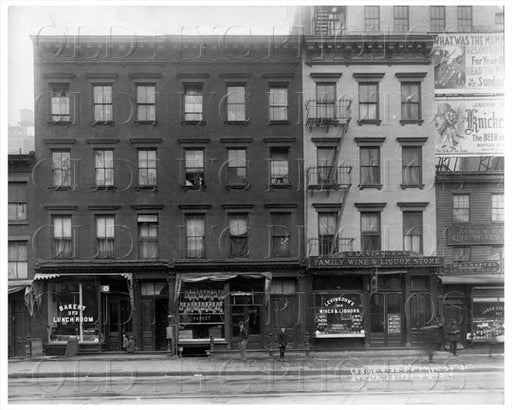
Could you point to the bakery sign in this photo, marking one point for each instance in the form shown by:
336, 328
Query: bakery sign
72, 313
475, 235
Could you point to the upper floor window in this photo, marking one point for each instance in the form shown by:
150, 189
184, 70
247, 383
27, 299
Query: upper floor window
401, 14
437, 18
370, 231
465, 18
18, 260
17, 201
368, 101
280, 230
413, 231
327, 226
146, 103
462, 254
326, 100
193, 103
278, 104
236, 103
325, 157
411, 166
238, 235
148, 236
369, 166
498, 19
334, 20
194, 168
411, 101
104, 166
105, 236
237, 167
497, 207
62, 237
60, 103
103, 103
279, 172
147, 167
195, 236
461, 207
61, 168
371, 18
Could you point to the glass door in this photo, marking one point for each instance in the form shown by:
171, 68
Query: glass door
386, 319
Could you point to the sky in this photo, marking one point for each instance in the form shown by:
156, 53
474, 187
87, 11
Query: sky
143, 20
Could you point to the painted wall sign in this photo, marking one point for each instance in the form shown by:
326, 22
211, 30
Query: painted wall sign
465, 268
366, 262
470, 126
475, 235
469, 62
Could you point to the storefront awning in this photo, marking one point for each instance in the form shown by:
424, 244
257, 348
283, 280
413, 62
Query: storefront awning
46, 276
17, 285
472, 279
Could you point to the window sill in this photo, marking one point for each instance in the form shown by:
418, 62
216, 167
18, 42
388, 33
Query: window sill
58, 122
60, 188
280, 186
237, 186
102, 123
193, 187
146, 187
371, 186
278, 122
404, 122
193, 122
105, 257
404, 186
243, 122
365, 122
103, 188
140, 122
18, 222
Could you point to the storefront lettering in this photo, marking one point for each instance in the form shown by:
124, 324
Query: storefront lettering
375, 262
475, 234
72, 319
204, 307
472, 267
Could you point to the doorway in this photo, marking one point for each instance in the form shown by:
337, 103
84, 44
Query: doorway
251, 316
119, 321
284, 314
19, 329
154, 323
386, 324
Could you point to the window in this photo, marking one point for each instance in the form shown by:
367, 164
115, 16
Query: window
411, 166
371, 18
325, 164
61, 169
17, 201
370, 231
147, 167
325, 100
194, 168
413, 231
411, 98
148, 236
238, 237
62, 237
279, 166
193, 103
105, 235
18, 260
369, 166
498, 19
102, 103
497, 207
437, 18
280, 234
237, 167
461, 208
278, 104
464, 18
195, 236
401, 18
104, 165
327, 224
332, 21
236, 103
496, 253
60, 103
146, 103
462, 254
368, 101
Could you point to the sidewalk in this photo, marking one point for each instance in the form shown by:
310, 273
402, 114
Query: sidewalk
144, 365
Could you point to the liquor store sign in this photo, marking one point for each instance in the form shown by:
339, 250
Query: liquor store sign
475, 235
368, 259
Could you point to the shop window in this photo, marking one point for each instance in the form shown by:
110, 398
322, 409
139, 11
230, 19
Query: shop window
146, 103
327, 228
437, 18
195, 236
194, 168
238, 235
60, 103
497, 208
465, 18
371, 18
488, 310
147, 167
460, 208
401, 15
370, 231
61, 169
17, 201
73, 312
104, 166
326, 100
17, 260
411, 101
369, 166
193, 103
279, 172
413, 231
105, 236
368, 101
462, 254
102, 103
278, 104
338, 314
280, 234
411, 166
62, 237
236, 103
148, 236
237, 167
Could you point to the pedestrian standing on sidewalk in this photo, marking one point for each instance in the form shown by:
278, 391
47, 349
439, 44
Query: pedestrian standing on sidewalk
244, 336
130, 348
125, 342
453, 336
282, 341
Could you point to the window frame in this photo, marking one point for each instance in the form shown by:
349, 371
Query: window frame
194, 253
230, 103
277, 235
462, 21
62, 87
196, 117
235, 240
272, 106
463, 257
104, 168
147, 168
372, 234
362, 182
103, 104
326, 106
400, 22
499, 216
368, 20
18, 262
198, 181
65, 172
407, 231
16, 201
468, 208
277, 163
406, 103
106, 238
406, 168
327, 241
437, 19
148, 239
366, 104
146, 104
237, 180
66, 241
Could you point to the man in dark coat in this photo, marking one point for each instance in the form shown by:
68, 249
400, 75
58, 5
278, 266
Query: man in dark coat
282, 341
131, 345
453, 336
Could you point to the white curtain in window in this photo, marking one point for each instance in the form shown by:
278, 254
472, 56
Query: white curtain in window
326, 224
238, 225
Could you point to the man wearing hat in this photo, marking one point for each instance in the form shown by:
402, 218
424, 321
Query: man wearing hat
453, 336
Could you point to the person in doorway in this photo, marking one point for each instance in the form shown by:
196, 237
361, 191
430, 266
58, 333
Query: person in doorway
282, 341
453, 336
244, 336
130, 348
125, 342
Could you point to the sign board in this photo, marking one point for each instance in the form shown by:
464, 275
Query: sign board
338, 315
372, 262
469, 62
464, 235
470, 126
394, 323
468, 268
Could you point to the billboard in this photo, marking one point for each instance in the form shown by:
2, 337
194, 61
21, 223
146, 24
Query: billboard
470, 126
469, 62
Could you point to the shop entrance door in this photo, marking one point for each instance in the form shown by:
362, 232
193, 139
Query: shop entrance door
251, 316
386, 319
154, 323
18, 329
284, 314
119, 321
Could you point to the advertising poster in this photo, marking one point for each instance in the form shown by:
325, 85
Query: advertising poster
469, 62
470, 126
